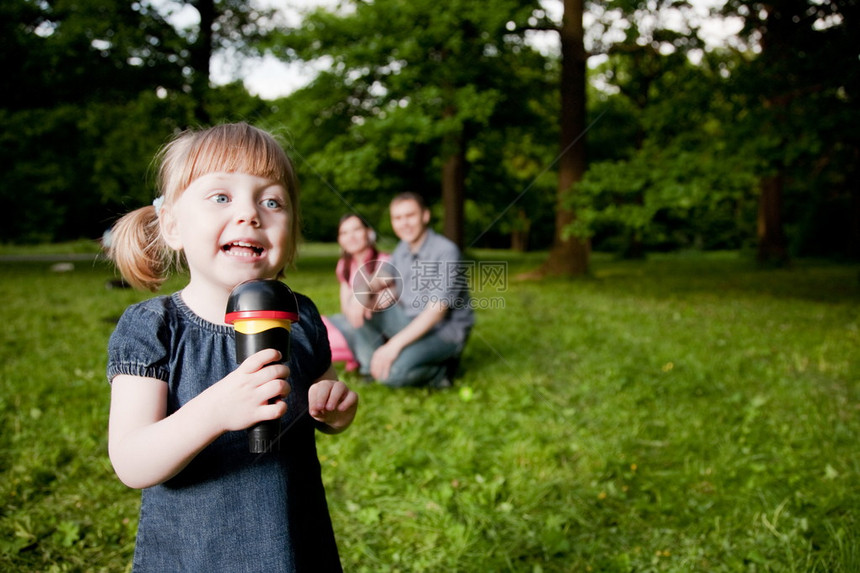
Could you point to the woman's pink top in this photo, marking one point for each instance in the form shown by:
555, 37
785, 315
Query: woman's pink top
355, 265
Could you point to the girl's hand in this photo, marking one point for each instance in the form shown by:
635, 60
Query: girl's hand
241, 399
332, 403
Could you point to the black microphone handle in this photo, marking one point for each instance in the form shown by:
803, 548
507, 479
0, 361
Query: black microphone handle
263, 437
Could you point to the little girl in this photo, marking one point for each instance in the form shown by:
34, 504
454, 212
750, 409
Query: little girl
179, 403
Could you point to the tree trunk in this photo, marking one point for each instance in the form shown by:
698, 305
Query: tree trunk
453, 177
520, 234
454, 190
569, 256
854, 232
201, 58
772, 244
775, 43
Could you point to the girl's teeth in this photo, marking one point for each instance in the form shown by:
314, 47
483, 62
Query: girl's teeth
242, 249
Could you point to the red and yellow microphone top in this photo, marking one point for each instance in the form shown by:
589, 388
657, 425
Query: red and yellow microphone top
262, 302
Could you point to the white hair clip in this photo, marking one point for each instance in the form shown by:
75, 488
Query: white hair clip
158, 203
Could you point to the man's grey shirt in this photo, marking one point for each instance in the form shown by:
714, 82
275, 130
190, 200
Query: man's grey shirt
436, 273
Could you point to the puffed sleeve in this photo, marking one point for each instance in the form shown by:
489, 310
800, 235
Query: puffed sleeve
317, 336
140, 344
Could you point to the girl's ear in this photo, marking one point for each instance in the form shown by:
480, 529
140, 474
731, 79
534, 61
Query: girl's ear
169, 228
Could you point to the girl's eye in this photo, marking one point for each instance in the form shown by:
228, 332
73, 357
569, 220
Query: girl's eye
220, 198
271, 203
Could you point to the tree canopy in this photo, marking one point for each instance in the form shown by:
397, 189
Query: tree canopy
752, 143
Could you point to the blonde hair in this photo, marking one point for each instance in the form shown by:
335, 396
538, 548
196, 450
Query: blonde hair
137, 248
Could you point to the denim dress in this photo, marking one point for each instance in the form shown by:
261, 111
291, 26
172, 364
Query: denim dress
229, 510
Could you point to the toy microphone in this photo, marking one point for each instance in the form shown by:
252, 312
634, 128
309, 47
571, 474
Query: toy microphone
262, 312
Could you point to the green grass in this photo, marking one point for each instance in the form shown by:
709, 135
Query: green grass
685, 413
84, 246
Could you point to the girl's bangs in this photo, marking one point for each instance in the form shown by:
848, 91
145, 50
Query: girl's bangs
240, 149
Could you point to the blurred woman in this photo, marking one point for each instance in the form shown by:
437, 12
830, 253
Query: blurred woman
359, 257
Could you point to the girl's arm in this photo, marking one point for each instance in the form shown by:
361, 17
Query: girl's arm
147, 447
332, 403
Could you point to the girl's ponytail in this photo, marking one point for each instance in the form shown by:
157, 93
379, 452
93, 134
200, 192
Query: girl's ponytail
138, 251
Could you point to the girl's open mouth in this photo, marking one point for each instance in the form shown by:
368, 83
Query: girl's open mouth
243, 249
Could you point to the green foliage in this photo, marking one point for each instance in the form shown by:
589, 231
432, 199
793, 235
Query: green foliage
685, 413
705, 134
122, 165
66, 163
93, 87
410, 84
673, 177
790, 101
669, 196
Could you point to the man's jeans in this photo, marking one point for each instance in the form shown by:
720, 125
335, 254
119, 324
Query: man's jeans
424, 362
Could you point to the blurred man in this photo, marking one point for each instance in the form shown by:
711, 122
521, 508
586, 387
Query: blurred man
418, 340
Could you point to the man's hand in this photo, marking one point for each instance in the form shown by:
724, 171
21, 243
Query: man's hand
382, 359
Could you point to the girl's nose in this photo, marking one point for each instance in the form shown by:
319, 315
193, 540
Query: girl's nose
246, 212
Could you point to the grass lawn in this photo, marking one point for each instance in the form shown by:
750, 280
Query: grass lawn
685, 413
